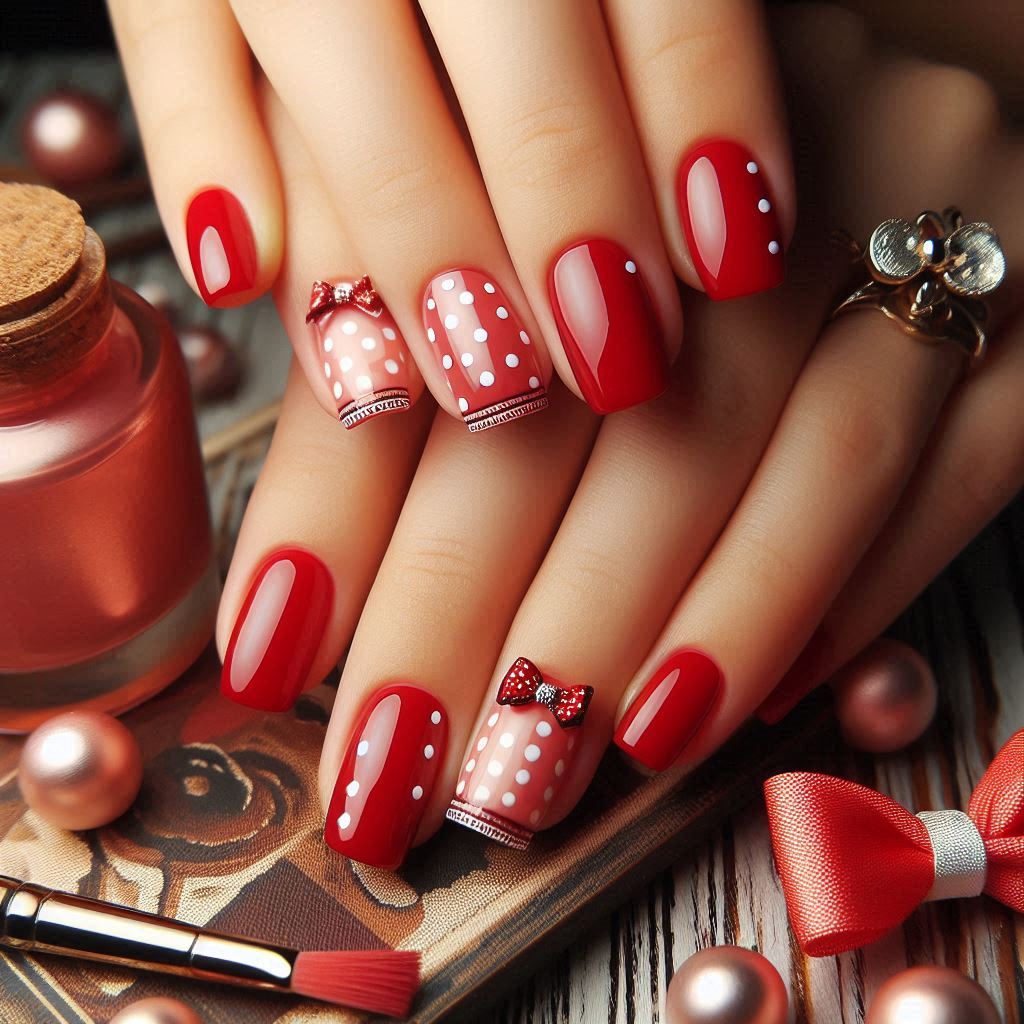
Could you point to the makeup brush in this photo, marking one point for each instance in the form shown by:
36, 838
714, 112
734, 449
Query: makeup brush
35, 919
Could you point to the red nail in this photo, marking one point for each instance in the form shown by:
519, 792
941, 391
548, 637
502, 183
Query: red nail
278, 631
608, 326
488, 359
670, 710
393, 758
220, 246
728, 216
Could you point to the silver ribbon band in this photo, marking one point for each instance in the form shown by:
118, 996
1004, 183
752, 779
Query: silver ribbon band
960, 859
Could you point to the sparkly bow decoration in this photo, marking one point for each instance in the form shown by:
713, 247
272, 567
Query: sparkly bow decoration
326, 298
523, 684
855, 864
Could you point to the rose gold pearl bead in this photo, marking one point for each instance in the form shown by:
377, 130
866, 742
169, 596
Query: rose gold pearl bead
157, 1011
726, 985
931, 995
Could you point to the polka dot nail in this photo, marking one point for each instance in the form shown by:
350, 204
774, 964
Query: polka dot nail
487, 357
728, 216
387, 775
518, 762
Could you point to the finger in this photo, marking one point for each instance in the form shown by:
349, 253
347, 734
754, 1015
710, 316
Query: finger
567, 181
702, 86
356, 362
212, 170
474, 527
410, 196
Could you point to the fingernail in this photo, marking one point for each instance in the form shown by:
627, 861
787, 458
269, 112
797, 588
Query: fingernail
608, 327
364, 357
278, 631
489, 361
729, 219
521, 757
670, 709
387, 774
220, 246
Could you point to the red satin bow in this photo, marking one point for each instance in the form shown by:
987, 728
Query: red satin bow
523, 684
855, 864
328, 297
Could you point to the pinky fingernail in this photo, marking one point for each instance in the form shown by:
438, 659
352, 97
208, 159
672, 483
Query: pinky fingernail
221, 247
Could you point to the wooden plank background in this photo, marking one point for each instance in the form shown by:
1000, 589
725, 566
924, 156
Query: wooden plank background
969, 624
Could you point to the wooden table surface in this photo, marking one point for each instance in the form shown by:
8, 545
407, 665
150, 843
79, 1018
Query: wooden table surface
969, 625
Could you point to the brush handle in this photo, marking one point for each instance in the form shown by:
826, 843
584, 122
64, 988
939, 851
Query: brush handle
36, 919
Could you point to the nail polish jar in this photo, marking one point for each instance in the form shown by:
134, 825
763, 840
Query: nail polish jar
108, 584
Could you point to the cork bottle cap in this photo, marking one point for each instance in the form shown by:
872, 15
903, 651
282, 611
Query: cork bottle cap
55, 298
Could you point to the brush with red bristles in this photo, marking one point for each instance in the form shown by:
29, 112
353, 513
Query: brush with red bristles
39, 920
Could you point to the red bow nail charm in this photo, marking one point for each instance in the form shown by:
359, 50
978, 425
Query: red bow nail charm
523, 684
855, 864
326, 298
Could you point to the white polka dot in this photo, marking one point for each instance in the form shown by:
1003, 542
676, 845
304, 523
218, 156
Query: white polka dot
352, 788
543, 728
448, 284
463, 405
345, 362
350, 327
489, 288
337, 389
446, 361
512, 360
752, 167
460, 787
428, 751
327, 369
502, 313
451, 321
467, 359
431, 303
470, 764
344, 821
391, 366
495, 768
559, 767
532, 752
773, 247
524, 337
534, 817
417, 792
549, 793
328, 344
482, 743
535, 382
466, 298
369, 344
363, 383
763, 205
435, 717
431, 336
389, 333
493, 719
630, 267
506, 739
486, 378
363, 747
480, 335
482, 793
522, 776
508, 799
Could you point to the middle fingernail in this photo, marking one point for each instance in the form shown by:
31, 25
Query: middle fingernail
488, 359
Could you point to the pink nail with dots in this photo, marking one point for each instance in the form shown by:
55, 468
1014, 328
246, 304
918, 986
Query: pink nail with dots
487, 357
520, 757
365, 362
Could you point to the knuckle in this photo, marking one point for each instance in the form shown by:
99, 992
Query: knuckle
395, 182
438, 559
586, 573
969, 104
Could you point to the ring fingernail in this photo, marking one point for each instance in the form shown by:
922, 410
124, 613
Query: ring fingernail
221, 247
729, 219
521, 756
487, 357
608, 326
278, 631
670, 709
364, 359
387, 774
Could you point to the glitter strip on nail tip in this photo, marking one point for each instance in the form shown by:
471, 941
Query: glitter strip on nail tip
493, 827
380, 403
504, 412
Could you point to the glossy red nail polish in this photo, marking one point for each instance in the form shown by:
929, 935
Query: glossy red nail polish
221, 246
608, 325
278, 631
670, 709
728, 216
393, 758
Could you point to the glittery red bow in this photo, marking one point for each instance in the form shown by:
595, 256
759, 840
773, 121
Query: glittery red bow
855, 864
326, 298
523, 684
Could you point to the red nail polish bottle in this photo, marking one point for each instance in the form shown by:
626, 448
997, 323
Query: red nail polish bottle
108, 587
